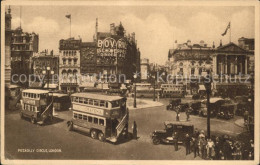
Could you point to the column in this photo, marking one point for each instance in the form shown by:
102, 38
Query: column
236, 64
214, 64
246, 65
225, 65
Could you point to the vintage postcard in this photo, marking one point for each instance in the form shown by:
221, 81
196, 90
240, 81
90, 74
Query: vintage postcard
130, 82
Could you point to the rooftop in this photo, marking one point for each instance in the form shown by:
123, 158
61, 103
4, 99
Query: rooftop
97, 96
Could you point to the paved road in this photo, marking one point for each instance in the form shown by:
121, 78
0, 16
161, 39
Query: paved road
21, 134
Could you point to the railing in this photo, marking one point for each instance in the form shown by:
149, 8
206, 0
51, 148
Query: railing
47, 108
121, 125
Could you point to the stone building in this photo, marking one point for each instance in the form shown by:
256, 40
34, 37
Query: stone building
23, 45
145, 69
41, 63
69, 64
8, 38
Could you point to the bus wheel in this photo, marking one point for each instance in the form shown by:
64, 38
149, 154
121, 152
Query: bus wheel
33, 120
93, 134
101, 136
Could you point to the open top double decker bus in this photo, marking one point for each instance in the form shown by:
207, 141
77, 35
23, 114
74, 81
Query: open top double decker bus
104, 117
37, 105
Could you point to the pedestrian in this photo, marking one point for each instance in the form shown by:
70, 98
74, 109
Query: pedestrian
187, 143
188, 110
203, 149
134, 127
158, 96
210, 147
217, 149
196, 147
178, 114
251, 150
225, 149
175, 140
246, 115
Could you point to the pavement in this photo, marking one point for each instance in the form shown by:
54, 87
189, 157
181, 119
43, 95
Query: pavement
21, 134
240, 123
143, 103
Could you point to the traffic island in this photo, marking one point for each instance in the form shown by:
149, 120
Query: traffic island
240, 123
142, 103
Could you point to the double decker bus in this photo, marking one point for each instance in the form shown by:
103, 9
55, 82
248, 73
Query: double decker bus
145, 90
172, 90
104, 117
37, 105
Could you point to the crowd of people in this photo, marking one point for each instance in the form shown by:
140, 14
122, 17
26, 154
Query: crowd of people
218, 148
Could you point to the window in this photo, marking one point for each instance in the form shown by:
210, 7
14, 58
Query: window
69, 61
192, 71
107, 104
102, 103
96, 102
101, 122
95, 120
76, 99
80, 116
90, 102
75, 115
115, 104
85, 101
85, 117
81, 100
75, 61
34, 95
64, 61
90, 119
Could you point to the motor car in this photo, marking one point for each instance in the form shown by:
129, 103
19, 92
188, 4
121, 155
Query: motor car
242, 105
165, 135
214, 105
226, 111
195, 107
173, 103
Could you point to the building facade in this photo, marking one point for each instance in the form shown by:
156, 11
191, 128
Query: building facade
111, 53
69, 64
41, 63
23, 45
145, 69
8, 38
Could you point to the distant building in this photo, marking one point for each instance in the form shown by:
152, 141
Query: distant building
249, 45
23, 46
40, 62
69, 64
145, 69
111, 53
8, 39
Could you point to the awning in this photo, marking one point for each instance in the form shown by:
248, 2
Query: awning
52, 86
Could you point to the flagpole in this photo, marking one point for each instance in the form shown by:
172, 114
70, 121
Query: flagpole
70, 26
230, 33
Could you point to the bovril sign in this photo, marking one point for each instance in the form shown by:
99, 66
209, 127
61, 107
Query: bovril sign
110, 47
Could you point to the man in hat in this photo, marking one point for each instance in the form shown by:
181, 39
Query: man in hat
187, 143
175, 140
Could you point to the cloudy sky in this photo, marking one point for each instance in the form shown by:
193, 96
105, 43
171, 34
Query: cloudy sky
156, 27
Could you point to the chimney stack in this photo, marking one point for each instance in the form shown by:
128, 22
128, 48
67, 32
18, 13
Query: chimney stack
112, 28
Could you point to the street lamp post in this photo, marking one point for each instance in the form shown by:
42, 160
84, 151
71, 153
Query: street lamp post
135, 76
154, 88
207, 83
48, 69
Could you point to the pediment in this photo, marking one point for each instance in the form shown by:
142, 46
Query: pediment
231, 47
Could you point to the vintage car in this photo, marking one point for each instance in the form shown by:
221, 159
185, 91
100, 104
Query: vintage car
242, 104
226, 111
173, 103
165, 136
195, 107
214, 106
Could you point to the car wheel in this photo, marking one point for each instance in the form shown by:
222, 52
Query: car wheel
33, 120
93, 134
156, 141
101, 136
70, 126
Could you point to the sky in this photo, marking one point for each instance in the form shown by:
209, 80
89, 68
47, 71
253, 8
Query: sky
156, 27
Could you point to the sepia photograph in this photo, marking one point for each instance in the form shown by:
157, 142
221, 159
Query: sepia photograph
129, 82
